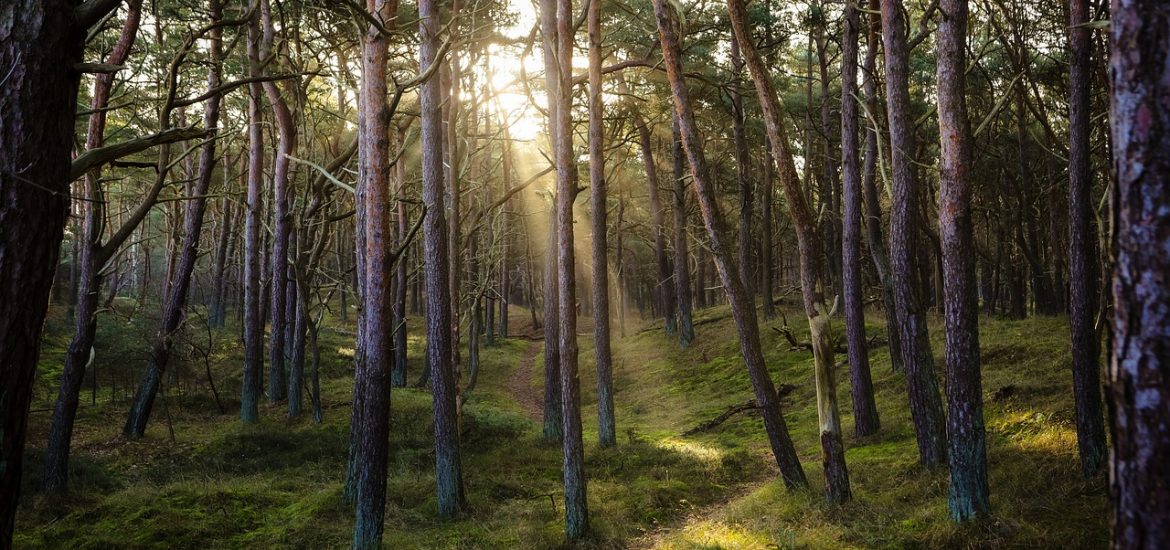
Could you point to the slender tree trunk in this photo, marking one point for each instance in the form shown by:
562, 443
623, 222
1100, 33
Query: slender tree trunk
742, 308
553, 422
448, 469
742, 169
216, 307
398, 377
194, 208
682, 274
287, 135
922, 385
1084, 277
606, 430
664, 298
967, 454
865, 414
1139, 371
89, 277
576, 508
253, 318
873, 210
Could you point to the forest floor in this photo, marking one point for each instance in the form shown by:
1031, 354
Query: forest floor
200, 479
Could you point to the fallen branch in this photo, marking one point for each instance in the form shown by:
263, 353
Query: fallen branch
782, 391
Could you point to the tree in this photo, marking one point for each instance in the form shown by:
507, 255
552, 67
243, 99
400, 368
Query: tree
175, 304
1139, 370
812, 276
922, 386
560, 91
742, 307
40, 45
865, 414
253, 315
602, 355
448, 466
967, 454
1082, 249
682, 268
372, 375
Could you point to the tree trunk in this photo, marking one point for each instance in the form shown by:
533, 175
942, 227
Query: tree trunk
253, 317
922, 385
967, 454
682, 274
89, 275
560, 92
553, 424
742, 307
742, 170
603, 359
664, 298
439, 308
1084, 275
398, 376
865, 414
811, 273
372, 377
1139, 371
194, 208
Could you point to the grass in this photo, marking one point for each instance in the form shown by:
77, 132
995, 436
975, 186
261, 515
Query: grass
277, 484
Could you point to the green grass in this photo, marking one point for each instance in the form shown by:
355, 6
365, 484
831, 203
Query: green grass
277, 484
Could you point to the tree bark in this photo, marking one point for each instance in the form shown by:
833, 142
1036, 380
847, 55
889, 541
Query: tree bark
922, 385
865, 414
603, 359
253, 316
968, 453
1084, 277
682, 274
1139, 370
743, 163
439, 307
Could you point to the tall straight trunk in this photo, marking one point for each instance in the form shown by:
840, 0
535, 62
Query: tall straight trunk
448, 469
865, 414
89, 273
560, 91
922, 385
398, 376
664, 298
767, 270
812, 281
606, 430
829, 184
968, 450
682, 274
742, 308
216, 306
452, 167
287, 143
372, 384
194, 208
742, 169
253, 317
553, 423
1139, 370
869, 173
1082, 250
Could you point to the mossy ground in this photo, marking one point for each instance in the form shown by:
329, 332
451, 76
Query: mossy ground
215, 483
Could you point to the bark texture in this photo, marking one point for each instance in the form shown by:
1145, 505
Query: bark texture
1139, 370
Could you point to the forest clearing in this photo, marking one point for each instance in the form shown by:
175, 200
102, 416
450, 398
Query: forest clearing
584, 274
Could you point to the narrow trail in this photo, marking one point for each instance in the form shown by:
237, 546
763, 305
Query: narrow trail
520, 384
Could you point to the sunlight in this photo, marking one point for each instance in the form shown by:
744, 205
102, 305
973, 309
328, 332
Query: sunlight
691, 448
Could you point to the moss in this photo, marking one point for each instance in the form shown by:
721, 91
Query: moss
278, 483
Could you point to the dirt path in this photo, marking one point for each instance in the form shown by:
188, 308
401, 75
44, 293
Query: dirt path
520, 384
